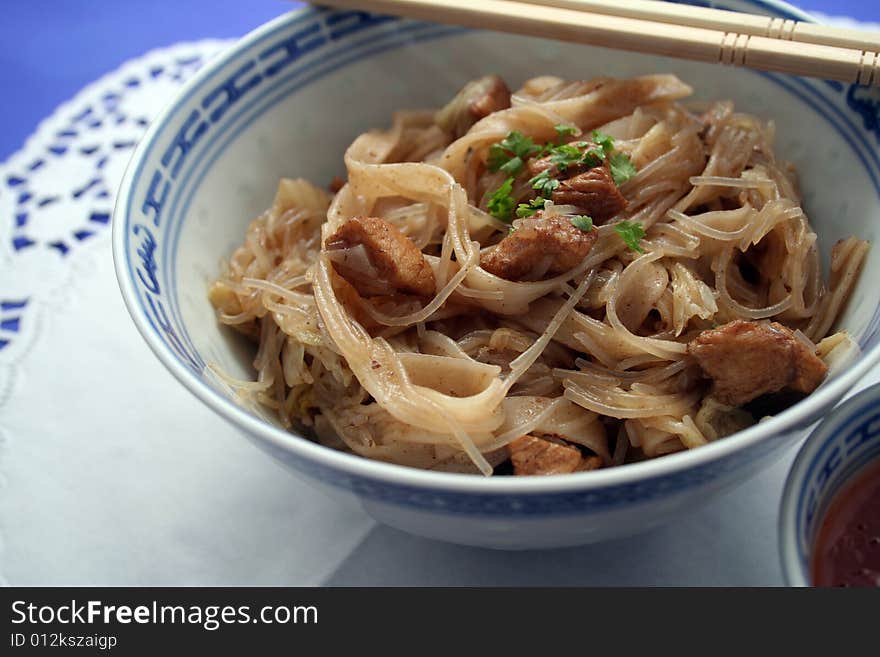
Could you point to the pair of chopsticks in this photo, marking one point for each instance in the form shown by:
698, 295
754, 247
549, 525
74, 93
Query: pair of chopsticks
661, 28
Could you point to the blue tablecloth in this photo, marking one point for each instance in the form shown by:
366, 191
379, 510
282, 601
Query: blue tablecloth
49, 49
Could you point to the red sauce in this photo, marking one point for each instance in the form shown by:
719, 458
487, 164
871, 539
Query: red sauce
847, 549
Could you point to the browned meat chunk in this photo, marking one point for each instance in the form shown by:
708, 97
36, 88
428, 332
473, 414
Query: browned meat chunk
477, 99
336, 184
490, 95
539, 245
348, 296
539, 164
540, 456
593, 192
590, 188
748, 359
592, 462
377, 259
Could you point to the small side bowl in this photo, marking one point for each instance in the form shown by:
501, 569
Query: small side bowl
836, 452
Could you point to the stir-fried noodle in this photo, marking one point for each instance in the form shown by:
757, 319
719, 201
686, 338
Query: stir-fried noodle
566, 263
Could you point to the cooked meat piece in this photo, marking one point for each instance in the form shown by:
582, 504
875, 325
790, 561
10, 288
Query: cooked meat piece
538, 164
590, 188
590, 463
748, 359
490, 95
540, 456
593, 192
477, 99
539, 245
378, 259
348, 296
336, 184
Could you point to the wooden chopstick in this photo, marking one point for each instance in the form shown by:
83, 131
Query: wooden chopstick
737, 48
725, 21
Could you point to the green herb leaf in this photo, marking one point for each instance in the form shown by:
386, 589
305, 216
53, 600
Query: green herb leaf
605, 142
501, 202
530, 208
631, 232
565, 156
524, 210
565, 131
509, 155
498, 157
583, 222
544, 183
622, 168
593, 157
519, 144
572, 154
513, 166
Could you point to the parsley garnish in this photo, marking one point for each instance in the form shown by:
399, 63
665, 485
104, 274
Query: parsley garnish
519, 144
622, 168
583, 222
509, 155
501, 202
498, 157
605, 142
544, 183
631, 232
565, 131
594, 157
524, 210
565, 156
513, 166
530, 208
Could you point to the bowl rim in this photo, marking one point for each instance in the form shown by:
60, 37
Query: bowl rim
793, 570
791, 419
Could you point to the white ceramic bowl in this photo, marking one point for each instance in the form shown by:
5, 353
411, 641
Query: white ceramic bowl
841, 446
286, 101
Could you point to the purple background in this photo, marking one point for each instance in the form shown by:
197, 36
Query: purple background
49, 49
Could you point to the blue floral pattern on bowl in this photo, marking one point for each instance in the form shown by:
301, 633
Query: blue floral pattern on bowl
308, 48
839, 448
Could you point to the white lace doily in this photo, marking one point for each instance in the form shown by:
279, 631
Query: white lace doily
109, 469
57, 193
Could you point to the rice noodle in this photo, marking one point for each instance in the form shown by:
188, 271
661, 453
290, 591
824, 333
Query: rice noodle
448, 380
